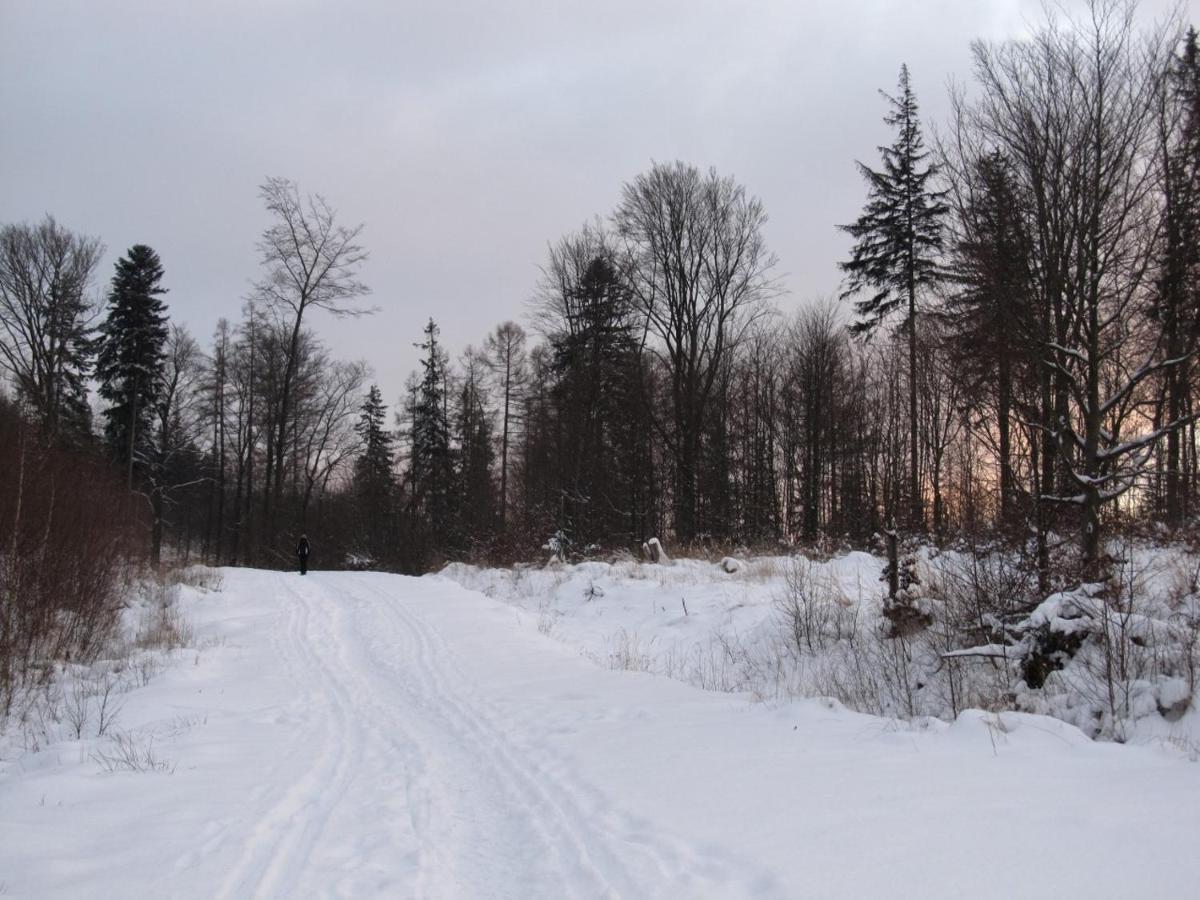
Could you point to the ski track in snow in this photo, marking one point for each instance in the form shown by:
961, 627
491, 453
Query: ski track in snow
370, 735
415, 788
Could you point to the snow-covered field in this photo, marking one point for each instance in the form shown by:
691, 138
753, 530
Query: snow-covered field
355, 734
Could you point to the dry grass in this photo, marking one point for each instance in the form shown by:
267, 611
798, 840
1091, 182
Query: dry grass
626, 651
761, 570
127, 752
203, 578
163, 627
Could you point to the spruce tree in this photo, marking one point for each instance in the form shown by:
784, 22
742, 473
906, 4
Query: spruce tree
477, 458
432, 463
129, 364
598, 402
373, 468
374, 485
990, 313
898, 239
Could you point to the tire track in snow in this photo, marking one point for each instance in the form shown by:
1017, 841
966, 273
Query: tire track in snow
617, 854
414, 787
455, 789
282, 839
393, 774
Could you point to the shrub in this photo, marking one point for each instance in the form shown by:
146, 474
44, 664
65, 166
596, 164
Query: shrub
69, 537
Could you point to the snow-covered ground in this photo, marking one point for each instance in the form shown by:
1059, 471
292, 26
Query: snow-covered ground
779, 628
355, 734
691, 620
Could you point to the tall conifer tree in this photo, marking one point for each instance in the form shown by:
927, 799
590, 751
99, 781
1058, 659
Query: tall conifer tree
991, 313
373, 469
432, 475
129, 364
477, 457
898, 239
374, 485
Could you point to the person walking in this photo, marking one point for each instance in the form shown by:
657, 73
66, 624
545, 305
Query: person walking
302, 552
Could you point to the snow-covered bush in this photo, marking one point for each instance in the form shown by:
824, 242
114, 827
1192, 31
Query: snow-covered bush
1102, 657
816, 614
1117, 651
654, 552
559, 546
359, 562
905, 609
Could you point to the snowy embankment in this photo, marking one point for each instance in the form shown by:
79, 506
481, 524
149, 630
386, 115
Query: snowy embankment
712, 625
353, 734
782, 628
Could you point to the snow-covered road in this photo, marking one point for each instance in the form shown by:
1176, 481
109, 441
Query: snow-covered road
406, 782
363, 735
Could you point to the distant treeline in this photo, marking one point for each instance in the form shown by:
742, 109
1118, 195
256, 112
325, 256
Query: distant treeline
1013, 353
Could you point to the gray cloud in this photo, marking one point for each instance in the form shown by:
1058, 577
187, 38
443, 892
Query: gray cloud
465, 135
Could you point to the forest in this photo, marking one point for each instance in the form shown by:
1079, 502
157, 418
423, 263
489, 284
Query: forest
669, 570
1009, 360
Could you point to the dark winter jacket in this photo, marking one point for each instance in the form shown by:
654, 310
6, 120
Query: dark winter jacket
302, 548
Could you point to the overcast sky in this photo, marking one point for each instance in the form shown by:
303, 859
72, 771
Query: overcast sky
464, 135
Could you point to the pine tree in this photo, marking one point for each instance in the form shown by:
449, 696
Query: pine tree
129, 365
373, 468
477, 457
432, 462
990, 314
597, 398
898, 239
374, 484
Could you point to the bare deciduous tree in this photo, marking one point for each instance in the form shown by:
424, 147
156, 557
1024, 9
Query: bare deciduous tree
177, 425
45, 317
504, 354
326, 427
311, 262
699, 269
1074, 110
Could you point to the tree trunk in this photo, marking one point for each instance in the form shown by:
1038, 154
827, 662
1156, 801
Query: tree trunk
916, 508
504, 447
221, 461
893, 555
132, 433
1004, 411
1176, 392
157, 529
685, 494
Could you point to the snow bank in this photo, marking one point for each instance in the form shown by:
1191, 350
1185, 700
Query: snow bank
785, 627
